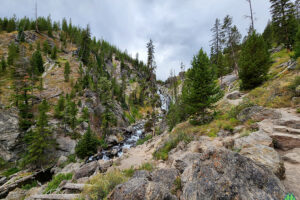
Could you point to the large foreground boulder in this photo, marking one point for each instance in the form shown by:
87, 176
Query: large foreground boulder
144, 185
222, 174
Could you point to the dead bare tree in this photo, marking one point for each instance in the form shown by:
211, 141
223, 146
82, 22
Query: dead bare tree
251, 15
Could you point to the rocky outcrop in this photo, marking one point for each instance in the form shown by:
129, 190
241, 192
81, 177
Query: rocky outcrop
10, 135
253, 139
257, 113
222, 174
234, 95
266, 156
154, 186
86, 170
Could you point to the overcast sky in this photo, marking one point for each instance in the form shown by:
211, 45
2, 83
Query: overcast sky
179, 28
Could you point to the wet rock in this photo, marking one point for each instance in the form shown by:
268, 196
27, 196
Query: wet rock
266, 156
222, 174
234, 95
257, 113
112, 140
86, 170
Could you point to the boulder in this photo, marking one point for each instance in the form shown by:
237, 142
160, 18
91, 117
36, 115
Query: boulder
293, 156
266, 156
165, 176
10, 136
104, 165
223, 174
259, 137
16, 194
61, 160
66, 145
234, 95
86, 170
257, 113
140, 189
286, 141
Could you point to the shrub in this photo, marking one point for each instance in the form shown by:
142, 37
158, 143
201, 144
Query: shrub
143, 140
30, 185
147, 166
233, 113
294, 84
171, 143
177, 185
102, 184
129, 172
10, 171
55, 182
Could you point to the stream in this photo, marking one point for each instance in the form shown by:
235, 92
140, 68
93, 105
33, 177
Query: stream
137, 133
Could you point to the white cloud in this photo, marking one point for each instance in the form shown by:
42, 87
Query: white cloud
179, 28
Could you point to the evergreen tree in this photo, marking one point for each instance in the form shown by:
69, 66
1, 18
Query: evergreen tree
37, 63
60, 107
231, 39
268, 35
67, 71
150, 61
87, 145
284, 21
46, 47
84, 51
39, 140
3, 64
21, 35
13, 53
54, 53
200, 90
254, 61
297, 44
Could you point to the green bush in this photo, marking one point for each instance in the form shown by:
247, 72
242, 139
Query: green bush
102, 184
30, 185
143, 140
171, 143
146, 166
129, 172
10, 171
233, 113
55, 182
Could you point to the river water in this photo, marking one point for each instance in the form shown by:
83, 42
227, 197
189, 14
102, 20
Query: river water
137, 133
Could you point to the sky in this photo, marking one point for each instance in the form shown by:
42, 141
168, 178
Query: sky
178, 28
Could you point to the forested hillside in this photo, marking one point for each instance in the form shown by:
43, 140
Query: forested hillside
82, 119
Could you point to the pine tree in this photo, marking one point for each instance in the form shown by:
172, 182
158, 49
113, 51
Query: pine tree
67, 71
84, 51
297, 44
87, 145
231, 39
268, 35
13, 53
60, 107
3, 64
21, 35
254, 61
151, 62
37, 63
200, 90
54, 53
284, 21
39, 140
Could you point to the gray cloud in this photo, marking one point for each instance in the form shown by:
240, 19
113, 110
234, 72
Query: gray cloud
179, 28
